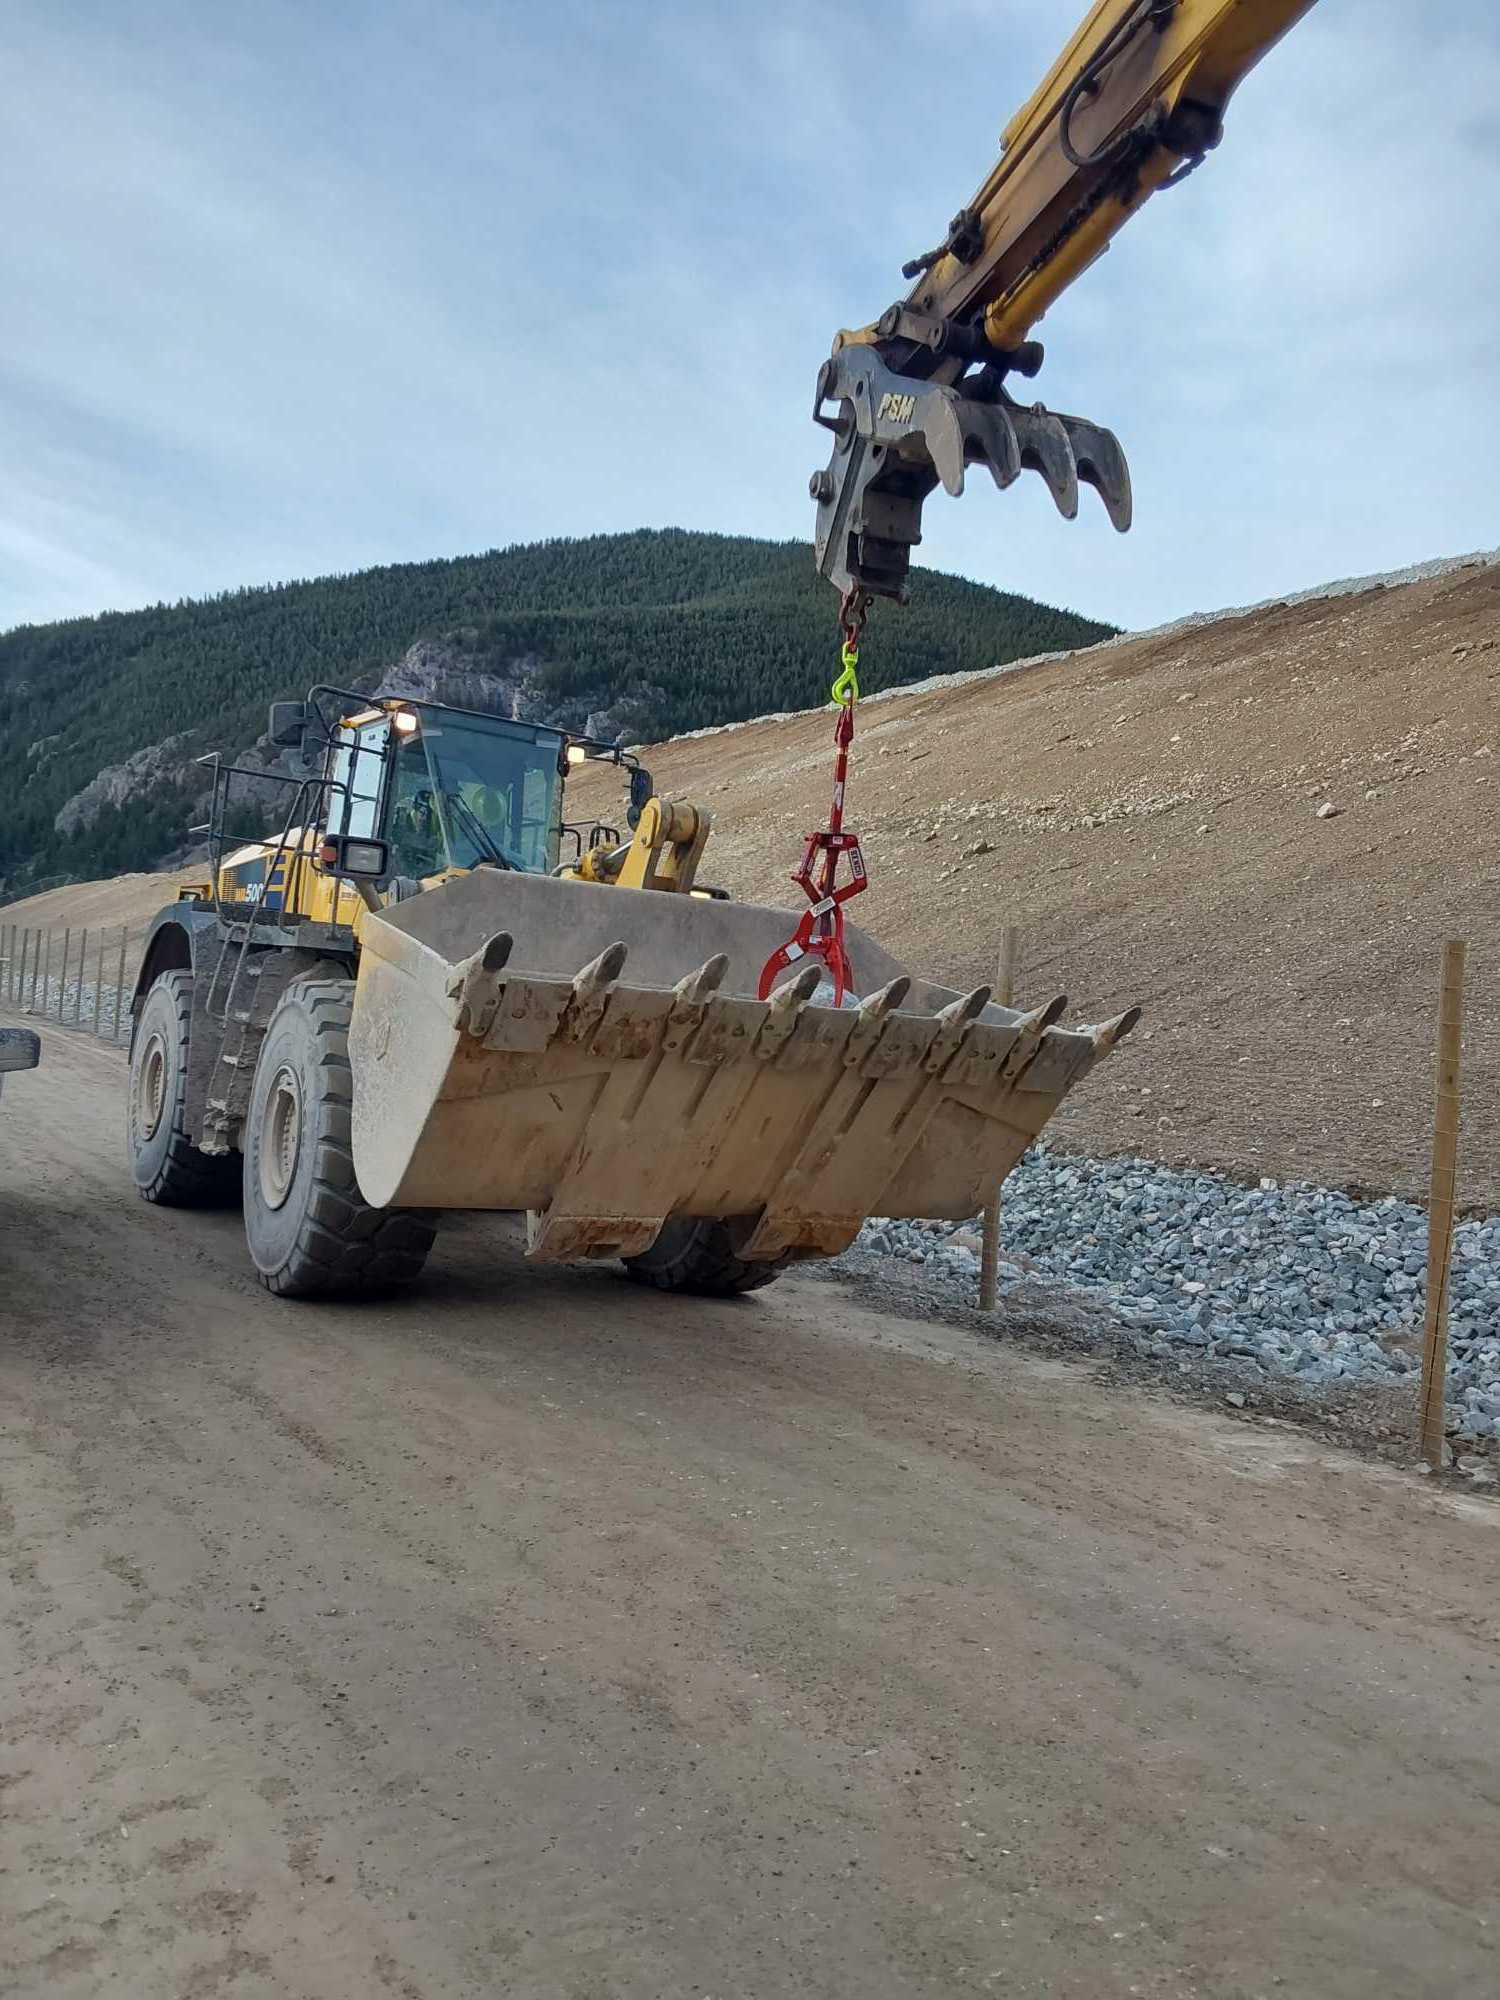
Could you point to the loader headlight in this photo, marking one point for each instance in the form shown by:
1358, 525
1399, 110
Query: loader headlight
405, 721
577, 754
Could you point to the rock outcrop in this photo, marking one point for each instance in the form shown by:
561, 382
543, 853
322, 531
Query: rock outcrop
448, 670
158, 766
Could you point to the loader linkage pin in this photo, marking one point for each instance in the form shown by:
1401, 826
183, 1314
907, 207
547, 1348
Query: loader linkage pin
820, 934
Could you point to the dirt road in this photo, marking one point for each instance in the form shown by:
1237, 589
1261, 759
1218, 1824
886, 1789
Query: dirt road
540, 1637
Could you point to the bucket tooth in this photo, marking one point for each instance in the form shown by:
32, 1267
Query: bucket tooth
887, 1000
871, 1017
477, 985
600, 973
698, 986
784, 1009
958, 1013
1109, 1032
794, 995
953, 1024
592, 986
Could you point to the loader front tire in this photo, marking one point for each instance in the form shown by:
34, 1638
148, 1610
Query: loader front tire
699, 1256
164, 1162
311, 1233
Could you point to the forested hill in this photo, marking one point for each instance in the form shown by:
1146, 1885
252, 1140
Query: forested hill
650, 633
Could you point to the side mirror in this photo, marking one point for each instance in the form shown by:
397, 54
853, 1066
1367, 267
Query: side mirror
361, 860
20, 1048
642, 791
288, 720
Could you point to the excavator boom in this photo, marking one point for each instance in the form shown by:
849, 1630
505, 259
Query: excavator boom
1134, 102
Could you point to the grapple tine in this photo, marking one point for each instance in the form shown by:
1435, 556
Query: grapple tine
991, 440
496, 953
1046, 448
1101, 464
943, 433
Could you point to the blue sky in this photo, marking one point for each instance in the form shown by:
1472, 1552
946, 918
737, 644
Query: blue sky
297, 288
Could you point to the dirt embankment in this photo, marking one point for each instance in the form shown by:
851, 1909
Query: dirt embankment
132, 900
1148, 813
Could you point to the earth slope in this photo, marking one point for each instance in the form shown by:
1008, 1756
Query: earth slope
1148, 813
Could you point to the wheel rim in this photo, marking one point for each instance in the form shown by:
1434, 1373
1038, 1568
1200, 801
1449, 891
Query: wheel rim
281, 1137
151, 1087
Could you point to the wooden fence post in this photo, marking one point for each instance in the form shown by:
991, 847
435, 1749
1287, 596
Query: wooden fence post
989, 1249
1440, 1203
83, 964
99, 983
46, 973
62, 977
120, 987
10, 940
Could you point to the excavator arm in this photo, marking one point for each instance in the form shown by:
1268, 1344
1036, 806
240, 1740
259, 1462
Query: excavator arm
1133, 103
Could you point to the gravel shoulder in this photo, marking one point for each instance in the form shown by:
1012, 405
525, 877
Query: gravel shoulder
537, 1635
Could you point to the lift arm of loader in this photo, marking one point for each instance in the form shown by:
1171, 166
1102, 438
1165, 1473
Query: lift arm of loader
1134, 101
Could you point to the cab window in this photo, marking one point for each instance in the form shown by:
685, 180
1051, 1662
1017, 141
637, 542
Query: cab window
356, 771
470, 790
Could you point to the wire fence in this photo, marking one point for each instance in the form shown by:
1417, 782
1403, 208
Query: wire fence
29, 889
79, 978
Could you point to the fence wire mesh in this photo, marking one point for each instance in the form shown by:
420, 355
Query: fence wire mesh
79, 978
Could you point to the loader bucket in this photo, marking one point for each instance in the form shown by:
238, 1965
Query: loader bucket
596, 1056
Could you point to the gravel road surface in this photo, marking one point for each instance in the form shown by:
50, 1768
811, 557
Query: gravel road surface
539, 1636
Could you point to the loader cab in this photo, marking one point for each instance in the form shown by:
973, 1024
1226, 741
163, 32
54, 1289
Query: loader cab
447, 788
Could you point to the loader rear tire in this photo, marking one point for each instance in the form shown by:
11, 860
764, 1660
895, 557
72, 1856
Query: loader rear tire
164, 1162
699, 1256
311, 1233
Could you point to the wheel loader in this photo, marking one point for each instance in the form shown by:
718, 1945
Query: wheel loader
434, 992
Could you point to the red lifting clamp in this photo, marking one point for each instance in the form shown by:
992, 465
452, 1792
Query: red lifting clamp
821, 931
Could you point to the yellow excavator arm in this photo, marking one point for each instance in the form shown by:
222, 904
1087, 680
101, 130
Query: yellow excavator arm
1133, 103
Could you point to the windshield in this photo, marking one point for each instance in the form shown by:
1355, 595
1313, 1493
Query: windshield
469, 789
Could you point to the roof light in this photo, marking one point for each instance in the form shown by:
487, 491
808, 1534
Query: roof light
405, 721
577, 754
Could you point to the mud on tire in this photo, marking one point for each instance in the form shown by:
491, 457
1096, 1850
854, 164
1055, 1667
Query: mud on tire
699, 1256
164, 1162
310, 1231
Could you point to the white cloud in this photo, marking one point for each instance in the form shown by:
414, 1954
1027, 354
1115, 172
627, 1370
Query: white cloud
290, 290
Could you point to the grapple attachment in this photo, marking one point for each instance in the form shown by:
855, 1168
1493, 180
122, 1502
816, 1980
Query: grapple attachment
897, 438
596, 1057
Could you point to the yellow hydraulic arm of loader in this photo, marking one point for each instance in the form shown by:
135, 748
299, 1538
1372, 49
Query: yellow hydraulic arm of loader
1133, 103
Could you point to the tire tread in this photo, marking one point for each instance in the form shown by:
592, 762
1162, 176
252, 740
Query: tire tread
187, 1176
344, 1247
699, 1256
